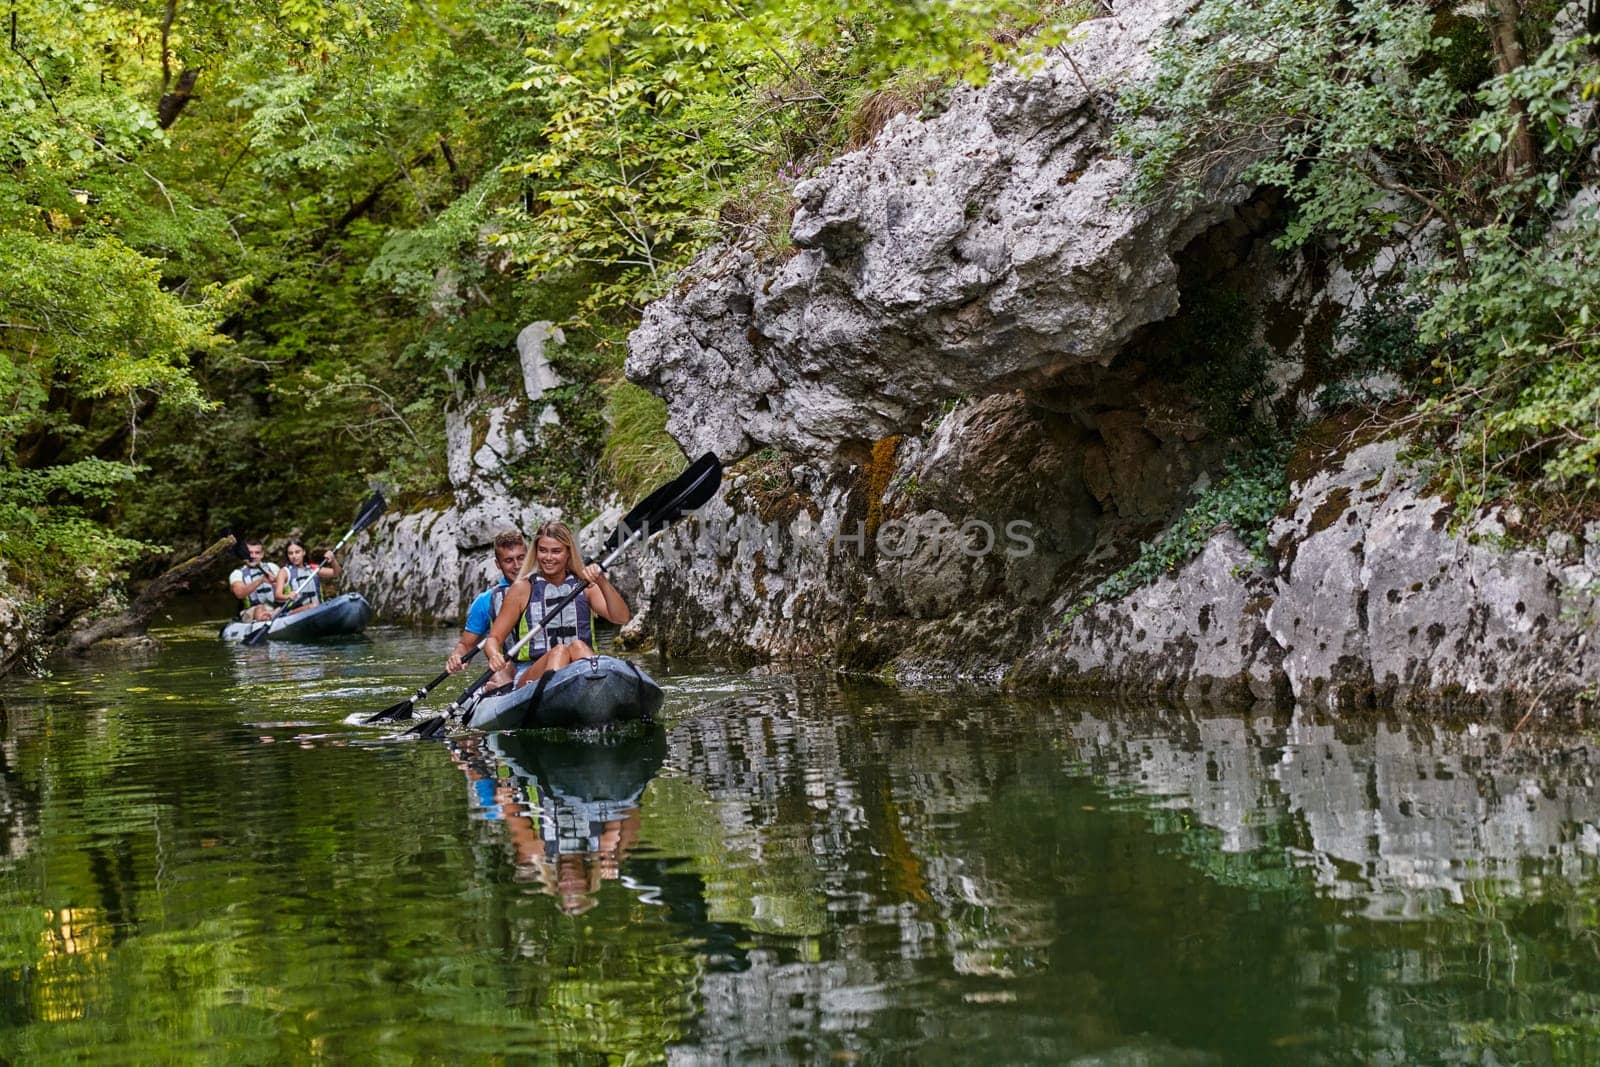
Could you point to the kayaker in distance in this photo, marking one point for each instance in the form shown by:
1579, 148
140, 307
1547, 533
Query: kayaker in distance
556, 569
510, 550
252, 583
288, 578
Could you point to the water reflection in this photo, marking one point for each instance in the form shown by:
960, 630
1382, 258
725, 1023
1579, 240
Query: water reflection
792, 869
569, 805
1400, 817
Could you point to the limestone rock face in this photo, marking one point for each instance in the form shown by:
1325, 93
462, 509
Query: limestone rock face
426, 565
967, 254
1198, 635
13, 630
1370, 599
1376, 593
1367, 597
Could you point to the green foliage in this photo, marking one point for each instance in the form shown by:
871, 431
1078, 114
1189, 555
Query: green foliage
564, 470
658, 109
1379, 339
1252, 490
638, 453
62, 559
1321, 99
1366, 114
1519, 362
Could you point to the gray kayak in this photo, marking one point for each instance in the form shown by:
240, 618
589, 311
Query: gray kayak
586, 695
340, 617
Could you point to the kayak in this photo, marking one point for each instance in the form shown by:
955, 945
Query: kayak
586, 695
340, 617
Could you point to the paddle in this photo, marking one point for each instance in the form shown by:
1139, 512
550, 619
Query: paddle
660, 509
365, 517
402, 711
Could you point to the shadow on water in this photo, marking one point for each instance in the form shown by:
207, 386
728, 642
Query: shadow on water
201, 858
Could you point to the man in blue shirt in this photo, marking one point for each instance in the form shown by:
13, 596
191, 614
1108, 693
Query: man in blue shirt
509, 551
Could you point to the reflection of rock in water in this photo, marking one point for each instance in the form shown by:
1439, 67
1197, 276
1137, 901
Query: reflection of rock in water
1402, 817
956, 839
19, 808
805, 794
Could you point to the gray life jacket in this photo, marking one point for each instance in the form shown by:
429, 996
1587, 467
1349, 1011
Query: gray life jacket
312, 593
261, 594
574, 622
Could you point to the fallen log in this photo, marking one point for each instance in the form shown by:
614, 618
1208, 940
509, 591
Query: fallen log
158, 592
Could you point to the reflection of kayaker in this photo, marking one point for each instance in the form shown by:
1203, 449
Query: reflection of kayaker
570, 807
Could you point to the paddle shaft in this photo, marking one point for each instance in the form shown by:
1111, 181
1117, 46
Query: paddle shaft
560, 605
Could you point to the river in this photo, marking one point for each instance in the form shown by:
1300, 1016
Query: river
205, 856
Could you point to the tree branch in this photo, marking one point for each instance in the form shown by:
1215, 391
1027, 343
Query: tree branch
158, 592
43, 87
166, 52
171, 104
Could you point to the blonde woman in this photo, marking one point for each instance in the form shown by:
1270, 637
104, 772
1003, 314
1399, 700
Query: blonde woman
554, 570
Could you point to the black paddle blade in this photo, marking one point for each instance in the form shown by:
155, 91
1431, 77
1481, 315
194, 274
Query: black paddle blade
397, 712
666, 505
369, 513
426, 729
239, 551
255, 637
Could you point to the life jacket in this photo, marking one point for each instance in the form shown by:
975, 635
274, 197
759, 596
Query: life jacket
261, 594
312, 593
573, 624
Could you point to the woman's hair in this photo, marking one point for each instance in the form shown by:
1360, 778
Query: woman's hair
296, 541
560, 532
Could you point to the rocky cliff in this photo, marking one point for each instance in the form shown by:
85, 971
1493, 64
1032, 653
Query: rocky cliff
983, 375
13, 628
425, 563
980, 378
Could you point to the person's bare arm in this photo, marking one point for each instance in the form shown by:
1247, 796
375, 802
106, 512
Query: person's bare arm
604, 599
511, 609
463, 646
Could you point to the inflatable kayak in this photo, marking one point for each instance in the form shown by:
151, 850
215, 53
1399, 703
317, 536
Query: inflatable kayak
339, 617
586, 695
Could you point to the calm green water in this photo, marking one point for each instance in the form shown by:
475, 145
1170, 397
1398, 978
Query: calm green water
203, 858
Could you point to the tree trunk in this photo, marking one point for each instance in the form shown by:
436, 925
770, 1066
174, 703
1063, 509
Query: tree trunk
172, 104
158, 592
1521, 156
